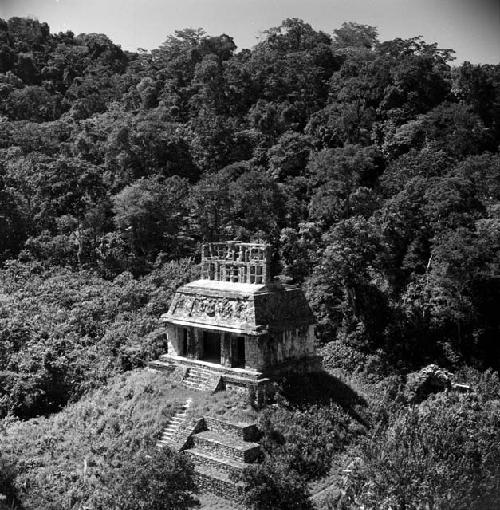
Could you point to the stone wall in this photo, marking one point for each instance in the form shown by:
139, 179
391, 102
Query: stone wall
283, 306
220, 487
184, 436
231, 447
231, 469
254, 353
174, 340
240, 430
289, 344
236, 262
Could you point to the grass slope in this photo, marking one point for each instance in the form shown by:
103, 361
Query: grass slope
62, 458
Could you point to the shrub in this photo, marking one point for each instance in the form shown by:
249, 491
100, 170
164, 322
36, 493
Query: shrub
305, 439
443, 454
273, 486
7, 482
160, 481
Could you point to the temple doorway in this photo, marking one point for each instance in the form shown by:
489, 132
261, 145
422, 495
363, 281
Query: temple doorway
211, 347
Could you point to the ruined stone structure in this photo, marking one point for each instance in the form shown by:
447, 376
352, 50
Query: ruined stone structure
237, 328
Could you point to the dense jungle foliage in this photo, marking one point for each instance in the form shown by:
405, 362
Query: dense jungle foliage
371, 167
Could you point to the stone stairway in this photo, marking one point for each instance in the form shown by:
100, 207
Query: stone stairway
161, 366
201, 379
170, 434
221, 453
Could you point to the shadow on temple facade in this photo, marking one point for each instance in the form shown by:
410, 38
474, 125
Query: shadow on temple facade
237, 328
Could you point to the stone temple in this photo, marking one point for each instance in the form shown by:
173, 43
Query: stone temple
237, 328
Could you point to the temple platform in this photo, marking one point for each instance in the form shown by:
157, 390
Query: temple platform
259, 386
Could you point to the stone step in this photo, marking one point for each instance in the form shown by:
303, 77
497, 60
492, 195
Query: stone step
200, 375
200, 368
179, 417
176, 421
218, 483
215, 444
245, 431
200, 379
225, 465
196, 373
193, 384
164, 442
173, 427
196, 377
161, 366
197, 380
194, 387
168, 434
170, 430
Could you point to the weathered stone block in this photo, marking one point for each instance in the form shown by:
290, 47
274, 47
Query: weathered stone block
223, 446
242, 431
219, 484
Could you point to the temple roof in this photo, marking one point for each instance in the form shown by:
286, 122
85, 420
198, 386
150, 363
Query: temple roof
227, 287
239, 307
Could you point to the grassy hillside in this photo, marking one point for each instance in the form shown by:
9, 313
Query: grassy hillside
61, 459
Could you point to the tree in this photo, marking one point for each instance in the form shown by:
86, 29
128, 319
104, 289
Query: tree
150, 213
354, 36
453, 128
211, 205
334, 175
12, 223
343, 290
256, 205
479, 86
426, 163
33, 103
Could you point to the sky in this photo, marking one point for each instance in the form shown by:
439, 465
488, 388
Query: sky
470, 27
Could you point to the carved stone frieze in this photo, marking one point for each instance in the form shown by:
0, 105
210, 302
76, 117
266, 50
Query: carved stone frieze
211, 309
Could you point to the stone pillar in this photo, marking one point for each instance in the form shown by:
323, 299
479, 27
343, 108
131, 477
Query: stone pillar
198, 344
225, 349
254, 358
173, 346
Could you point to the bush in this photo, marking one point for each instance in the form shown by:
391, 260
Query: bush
443, 454
273, 486
160, 481
305, 439
7, 482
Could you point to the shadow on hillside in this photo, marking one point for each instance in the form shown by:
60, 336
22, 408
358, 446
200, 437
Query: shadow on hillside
322, 388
